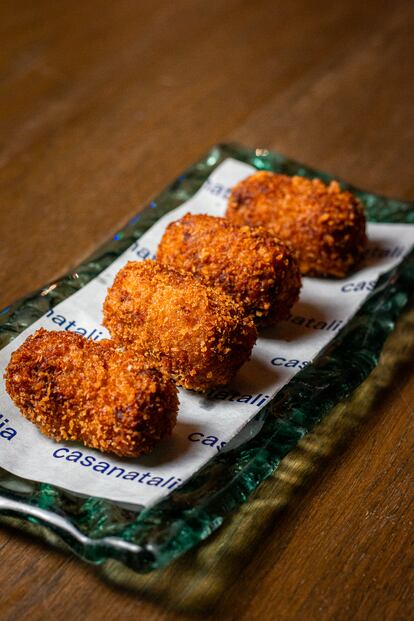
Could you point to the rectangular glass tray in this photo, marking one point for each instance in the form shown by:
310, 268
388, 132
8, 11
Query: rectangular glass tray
98, 529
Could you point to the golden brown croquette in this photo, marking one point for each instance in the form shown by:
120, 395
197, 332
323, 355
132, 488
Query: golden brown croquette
250, 264
324, 226
76, 389
196, 334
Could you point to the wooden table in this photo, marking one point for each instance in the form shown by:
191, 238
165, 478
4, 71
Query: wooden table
102, 103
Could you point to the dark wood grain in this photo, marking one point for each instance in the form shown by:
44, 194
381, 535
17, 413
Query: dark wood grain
102, 103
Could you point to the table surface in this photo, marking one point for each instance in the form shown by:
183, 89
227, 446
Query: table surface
102, 104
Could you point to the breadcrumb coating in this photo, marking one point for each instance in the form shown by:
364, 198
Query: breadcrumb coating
76, 389
250, 264
196, 334
323, 225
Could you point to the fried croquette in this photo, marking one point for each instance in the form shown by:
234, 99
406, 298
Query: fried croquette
250, 264
76, 389
196, 334
324, 226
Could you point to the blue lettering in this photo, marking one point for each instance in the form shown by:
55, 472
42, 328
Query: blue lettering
292, 363
8, 433
279, 361
362, 285
74, 456
105, 468
210, 441
131, 476
88, 461
244, 399
101, 466
276, 362
120, 473
64, 450
59, 319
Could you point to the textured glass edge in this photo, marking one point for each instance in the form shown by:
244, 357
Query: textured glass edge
97, 529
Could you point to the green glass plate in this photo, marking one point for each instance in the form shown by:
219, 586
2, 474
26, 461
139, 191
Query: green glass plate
98, 529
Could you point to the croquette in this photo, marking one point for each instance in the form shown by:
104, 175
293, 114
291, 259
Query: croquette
77, 389
250, 264
196, 334
324, 226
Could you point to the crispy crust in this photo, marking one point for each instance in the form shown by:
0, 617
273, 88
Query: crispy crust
322, 224
196, 334
250, 264
76, 389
